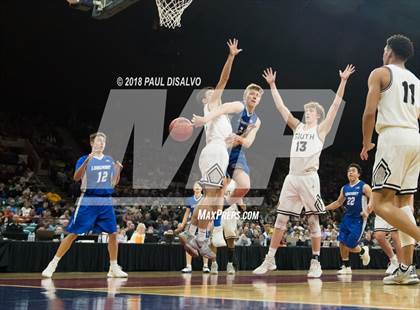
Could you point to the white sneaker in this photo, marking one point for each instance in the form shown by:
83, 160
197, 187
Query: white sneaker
48, 272
401, 277
187, 269
365, 257
315, 270
217, 238
344, 270
392, 266
269, 264
206, 269
214, 268
116, 272
230, 269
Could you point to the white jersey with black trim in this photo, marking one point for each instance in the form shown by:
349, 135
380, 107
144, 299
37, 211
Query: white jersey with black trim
305, 150
218, 129
399, 105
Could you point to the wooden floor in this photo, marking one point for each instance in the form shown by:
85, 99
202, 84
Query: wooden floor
173, 290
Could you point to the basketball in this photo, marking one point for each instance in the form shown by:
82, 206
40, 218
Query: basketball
180, 129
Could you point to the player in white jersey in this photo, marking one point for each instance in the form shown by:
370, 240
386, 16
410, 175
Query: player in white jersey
214, 159
301, 186
395, 92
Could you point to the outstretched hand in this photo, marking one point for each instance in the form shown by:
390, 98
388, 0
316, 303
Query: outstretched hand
198, 121
269, 76
344, 75
233, 47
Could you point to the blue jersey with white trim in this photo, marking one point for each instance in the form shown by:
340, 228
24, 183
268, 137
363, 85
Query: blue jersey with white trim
241, 122
192, 202
97, 180
355, 200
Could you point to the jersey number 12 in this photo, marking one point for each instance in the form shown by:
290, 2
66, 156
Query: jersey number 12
102, 175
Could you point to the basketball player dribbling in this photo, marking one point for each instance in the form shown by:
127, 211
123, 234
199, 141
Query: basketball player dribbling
301, 186
395, 92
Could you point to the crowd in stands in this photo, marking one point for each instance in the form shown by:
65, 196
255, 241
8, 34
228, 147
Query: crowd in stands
26, 207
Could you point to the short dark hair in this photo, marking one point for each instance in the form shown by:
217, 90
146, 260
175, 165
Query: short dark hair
202, 93
401, 46
96, 134
357, 166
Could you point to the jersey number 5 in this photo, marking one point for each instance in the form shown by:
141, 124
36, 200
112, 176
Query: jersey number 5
406, 87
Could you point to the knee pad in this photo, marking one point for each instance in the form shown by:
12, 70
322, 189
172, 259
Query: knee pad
404, 238
281, 221
314, 228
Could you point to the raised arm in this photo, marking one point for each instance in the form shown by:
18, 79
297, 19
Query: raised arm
270, 77
338, 203
224, 77
372, 101
227, 108
326, 125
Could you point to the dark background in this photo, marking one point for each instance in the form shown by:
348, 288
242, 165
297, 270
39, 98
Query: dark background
60, 62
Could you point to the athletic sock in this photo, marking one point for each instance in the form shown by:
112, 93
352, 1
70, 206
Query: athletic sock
55, 260
201, 236
346, 262
362, 251
271, 252
231, 253
192, 230
113, 263
315, 255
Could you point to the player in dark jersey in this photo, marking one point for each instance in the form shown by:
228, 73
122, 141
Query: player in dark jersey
353, 223
99, 174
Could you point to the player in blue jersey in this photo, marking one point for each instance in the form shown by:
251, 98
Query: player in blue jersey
246, 123
191, 203
98, 174
353, 223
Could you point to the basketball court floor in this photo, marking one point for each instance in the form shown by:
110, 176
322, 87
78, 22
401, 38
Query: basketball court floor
173, 290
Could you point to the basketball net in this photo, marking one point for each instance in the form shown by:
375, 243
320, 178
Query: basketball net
170, 12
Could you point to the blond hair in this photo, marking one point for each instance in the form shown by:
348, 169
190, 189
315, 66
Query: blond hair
319, 108
253, 86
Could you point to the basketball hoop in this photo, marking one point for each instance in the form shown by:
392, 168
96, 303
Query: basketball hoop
170, 12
